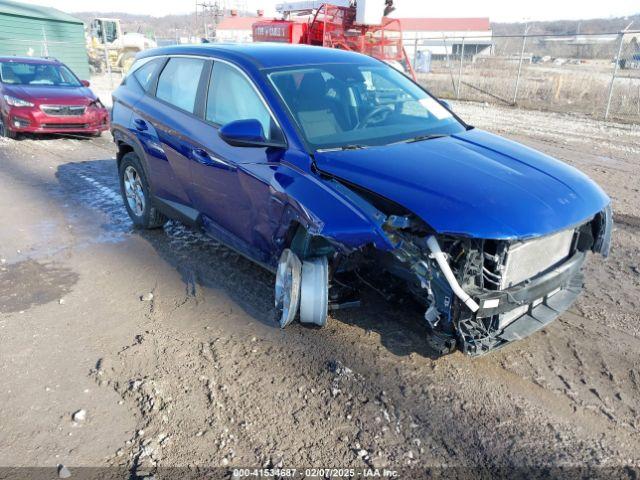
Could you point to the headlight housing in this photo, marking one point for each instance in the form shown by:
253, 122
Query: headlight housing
17, 102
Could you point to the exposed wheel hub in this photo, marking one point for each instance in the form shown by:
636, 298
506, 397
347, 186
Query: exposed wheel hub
314, 291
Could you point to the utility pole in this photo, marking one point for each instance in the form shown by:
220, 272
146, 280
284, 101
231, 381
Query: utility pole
460, 69
210, 10
204, 20
616, 63
195, 22
524, 42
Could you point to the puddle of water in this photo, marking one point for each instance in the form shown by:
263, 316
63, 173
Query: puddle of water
29, 283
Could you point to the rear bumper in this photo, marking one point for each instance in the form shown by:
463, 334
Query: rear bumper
33, 120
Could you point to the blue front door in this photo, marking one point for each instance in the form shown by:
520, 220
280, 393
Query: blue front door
232, 185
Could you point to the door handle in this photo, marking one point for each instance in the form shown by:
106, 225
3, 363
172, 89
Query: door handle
140, 124
203, 158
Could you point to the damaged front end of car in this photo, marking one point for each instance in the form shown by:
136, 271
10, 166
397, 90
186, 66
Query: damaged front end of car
489, 236
482, 294
478, 294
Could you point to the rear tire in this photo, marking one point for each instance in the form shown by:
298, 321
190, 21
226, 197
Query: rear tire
137, 194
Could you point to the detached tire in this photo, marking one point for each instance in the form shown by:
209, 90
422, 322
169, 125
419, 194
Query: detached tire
137, 194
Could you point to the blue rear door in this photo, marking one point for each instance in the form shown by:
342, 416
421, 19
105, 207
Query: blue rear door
169, 122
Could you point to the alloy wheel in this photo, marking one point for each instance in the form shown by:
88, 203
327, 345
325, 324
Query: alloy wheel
134, 191
287, 291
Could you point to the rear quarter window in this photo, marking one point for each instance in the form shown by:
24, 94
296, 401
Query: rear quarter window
144, 71
178, 82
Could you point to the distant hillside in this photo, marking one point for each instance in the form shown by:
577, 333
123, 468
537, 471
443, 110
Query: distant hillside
169, 26
594, 25
172, 26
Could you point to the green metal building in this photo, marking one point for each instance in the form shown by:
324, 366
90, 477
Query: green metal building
33, 30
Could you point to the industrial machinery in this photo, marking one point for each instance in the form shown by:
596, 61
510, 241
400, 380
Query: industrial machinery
360, 26
110, 49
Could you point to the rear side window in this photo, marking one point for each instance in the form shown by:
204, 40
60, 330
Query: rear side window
231, 97
178, 82
144, 74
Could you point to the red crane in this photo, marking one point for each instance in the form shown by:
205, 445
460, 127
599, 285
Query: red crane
348, 26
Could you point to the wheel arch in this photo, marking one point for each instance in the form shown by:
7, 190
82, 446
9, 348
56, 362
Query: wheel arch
323, 217
124, 145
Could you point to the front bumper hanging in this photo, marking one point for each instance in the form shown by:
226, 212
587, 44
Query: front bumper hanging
540, 302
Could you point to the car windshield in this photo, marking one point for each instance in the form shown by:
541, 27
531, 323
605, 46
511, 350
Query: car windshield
41, 74
356, 106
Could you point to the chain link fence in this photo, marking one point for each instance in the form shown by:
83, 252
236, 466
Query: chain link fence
596, 75
73, 54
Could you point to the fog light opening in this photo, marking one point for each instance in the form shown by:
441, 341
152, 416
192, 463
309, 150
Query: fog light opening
20, 122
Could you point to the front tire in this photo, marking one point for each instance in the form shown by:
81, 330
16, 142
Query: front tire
5, 131
137, 194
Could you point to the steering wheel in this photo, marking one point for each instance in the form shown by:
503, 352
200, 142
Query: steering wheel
382, 111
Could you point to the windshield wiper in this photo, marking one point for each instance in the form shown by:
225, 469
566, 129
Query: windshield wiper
343, 147
420, 138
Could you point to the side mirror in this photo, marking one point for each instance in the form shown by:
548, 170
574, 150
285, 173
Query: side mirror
246, 133
445, 104
85, 83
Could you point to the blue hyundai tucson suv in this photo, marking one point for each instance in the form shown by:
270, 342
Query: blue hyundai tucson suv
336, 172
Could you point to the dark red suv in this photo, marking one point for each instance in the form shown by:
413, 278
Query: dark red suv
41, 95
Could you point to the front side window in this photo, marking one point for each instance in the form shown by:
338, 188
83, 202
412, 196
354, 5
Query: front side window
231, 97
365, 105
40, 74
178, 82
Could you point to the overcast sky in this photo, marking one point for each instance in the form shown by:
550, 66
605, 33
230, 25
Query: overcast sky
496, 10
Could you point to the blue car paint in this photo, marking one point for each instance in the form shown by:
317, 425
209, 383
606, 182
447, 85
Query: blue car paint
473, 184
156, 126
257, 56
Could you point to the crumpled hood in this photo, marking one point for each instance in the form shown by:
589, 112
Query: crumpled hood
43, 95
474, 184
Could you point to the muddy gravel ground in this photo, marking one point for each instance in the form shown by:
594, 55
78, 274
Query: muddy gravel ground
168, 341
